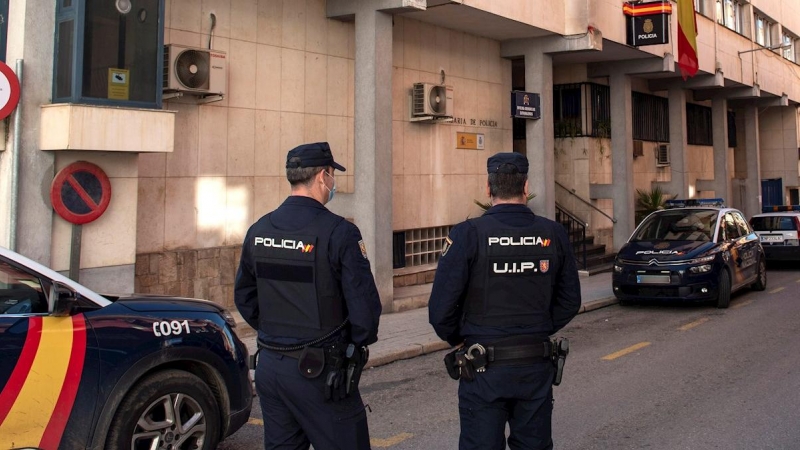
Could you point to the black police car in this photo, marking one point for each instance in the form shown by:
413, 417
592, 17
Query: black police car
80, 370
695, 250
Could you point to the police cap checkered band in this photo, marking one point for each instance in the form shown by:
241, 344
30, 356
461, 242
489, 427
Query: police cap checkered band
312, 155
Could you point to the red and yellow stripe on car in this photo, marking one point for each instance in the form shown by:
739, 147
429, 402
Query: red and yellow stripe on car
37, 400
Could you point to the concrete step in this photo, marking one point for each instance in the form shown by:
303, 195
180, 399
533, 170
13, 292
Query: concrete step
411, 297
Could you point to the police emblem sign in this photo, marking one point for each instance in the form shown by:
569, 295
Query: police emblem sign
525, 105
647, 23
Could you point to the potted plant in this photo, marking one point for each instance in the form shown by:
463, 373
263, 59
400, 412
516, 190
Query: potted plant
650, 201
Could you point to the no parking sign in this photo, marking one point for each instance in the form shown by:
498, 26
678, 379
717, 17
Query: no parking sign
80, 192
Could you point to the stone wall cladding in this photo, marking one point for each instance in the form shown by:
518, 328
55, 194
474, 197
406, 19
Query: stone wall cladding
206, 273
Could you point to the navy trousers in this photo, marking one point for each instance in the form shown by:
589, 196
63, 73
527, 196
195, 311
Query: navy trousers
521, 396
296, 414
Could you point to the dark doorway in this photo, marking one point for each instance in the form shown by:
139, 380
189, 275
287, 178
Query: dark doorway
771, 192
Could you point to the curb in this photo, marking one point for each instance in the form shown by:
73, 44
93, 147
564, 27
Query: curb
414, 350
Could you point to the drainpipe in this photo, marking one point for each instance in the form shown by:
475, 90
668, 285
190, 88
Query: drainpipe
12, 227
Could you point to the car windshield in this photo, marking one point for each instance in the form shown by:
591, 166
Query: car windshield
678, 225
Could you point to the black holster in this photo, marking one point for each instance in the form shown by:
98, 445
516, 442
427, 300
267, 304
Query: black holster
459, 365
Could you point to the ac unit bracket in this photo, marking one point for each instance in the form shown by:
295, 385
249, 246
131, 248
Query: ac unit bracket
169, 95
203, 99
431, 119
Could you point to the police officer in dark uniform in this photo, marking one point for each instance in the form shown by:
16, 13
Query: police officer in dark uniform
506, 281
304, 283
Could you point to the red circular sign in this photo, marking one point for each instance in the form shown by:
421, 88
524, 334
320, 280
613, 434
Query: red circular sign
80, 192
9, 90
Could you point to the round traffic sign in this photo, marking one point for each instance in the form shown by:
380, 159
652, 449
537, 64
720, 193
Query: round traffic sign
9, 90
80, 192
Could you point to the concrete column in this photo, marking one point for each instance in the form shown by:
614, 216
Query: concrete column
621, 159
372, 201
677, 143
539, 134
752, 201
722, 179
31, 25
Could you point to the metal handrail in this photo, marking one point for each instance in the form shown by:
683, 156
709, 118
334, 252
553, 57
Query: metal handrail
576, 230
587, 202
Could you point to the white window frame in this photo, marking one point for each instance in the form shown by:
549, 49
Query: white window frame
730, 13
789, 52
763, 30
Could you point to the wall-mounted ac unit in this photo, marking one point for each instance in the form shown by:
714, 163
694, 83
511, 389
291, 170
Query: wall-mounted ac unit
662, 155
431, 101
194, 71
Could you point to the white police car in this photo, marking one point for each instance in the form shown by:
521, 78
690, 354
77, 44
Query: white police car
778, 227
696, 250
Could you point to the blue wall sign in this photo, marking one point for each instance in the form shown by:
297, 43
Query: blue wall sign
525, 105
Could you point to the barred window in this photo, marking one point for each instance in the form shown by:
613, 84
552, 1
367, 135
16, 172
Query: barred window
581, 109
698, 125
650, 117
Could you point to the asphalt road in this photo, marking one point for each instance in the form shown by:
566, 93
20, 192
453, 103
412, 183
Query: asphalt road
643, 376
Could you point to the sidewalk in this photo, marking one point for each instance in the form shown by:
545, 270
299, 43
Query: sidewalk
407, 334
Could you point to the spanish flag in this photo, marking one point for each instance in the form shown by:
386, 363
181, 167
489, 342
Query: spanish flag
687, 39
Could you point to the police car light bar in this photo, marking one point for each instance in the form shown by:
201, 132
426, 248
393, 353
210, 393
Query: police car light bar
777, 208
683, 203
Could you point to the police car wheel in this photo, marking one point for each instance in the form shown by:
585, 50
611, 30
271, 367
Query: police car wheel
761, 279
724, 290
169, 410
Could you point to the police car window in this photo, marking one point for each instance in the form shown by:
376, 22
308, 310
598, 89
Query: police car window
774, 223
731, 230
678, 225
20, 292
741, 224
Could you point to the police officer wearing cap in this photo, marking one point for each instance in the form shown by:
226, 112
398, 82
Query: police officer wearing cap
304, 282
506, 281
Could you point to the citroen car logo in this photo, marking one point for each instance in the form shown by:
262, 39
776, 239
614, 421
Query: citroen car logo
653, 262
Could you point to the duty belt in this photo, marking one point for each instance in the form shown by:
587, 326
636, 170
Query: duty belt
510, 354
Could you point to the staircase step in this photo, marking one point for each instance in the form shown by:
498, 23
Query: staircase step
607, 267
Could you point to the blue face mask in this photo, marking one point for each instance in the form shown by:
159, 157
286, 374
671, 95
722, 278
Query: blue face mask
331, 192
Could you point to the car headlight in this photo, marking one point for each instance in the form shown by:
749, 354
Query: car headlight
228, 318
617, 269
700, 269
702, 260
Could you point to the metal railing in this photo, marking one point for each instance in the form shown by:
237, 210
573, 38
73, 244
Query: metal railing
576, 230
586, 202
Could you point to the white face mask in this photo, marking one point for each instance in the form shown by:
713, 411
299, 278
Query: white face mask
331, 191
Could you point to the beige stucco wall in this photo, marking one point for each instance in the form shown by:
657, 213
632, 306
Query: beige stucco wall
109, 240
779, 144
290, 81
434, 182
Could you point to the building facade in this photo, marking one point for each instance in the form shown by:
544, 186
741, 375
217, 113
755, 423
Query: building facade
190, 171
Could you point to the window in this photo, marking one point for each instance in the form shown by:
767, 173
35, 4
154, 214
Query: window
20, 292
572, 118
730, 14
699, 130
731, 129
788, 46
109, 52
763, 31
650, 117
3, 28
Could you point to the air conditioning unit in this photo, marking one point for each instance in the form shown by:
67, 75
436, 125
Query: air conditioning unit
195, 71
431, 100
662, 155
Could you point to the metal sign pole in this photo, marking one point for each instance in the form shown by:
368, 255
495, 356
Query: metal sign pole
75, 253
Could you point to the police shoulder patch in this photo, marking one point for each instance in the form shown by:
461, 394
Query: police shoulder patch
363, 248
446, 246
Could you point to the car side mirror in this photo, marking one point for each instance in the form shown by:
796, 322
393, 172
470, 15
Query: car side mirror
64, 300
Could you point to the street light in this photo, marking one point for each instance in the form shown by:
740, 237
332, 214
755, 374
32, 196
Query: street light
777, 47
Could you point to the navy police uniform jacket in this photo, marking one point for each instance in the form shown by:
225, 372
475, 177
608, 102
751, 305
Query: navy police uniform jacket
506, 273
302, 271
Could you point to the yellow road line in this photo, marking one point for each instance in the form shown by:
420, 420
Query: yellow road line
390, 441
775, 291
739, 305
255, 421
691, 325
625, 351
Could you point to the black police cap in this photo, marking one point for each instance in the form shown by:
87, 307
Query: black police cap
508, 162
312, 155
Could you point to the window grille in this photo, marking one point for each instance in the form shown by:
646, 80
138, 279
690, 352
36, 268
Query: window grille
650, 117
699, 129
421, 246
581, 109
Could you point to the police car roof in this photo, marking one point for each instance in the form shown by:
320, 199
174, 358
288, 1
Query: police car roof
694, 202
